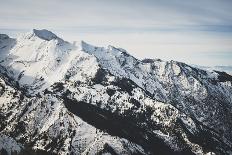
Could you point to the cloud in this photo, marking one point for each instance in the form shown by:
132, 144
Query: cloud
125, 13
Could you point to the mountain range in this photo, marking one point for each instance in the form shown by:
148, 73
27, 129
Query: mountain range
58, 97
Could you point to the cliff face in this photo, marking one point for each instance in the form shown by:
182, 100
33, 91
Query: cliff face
63, 98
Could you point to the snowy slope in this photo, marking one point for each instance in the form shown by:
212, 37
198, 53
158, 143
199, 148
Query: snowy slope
40, 58
58, 97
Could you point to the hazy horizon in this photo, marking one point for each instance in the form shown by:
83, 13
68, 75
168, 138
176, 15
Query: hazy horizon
195, 32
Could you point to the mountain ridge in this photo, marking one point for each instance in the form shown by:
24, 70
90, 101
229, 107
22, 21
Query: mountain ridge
171, 104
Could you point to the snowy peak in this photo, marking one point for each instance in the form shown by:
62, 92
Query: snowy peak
87, 47
44, 34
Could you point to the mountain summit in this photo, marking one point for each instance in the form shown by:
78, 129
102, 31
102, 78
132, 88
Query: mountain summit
58, 97
44, 34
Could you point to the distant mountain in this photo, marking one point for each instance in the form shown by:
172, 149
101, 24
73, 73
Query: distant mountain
58, 97
227, 69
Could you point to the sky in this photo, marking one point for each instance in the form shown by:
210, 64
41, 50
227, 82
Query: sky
192, 31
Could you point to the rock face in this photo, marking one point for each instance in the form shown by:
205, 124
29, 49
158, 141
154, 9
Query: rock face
63, 98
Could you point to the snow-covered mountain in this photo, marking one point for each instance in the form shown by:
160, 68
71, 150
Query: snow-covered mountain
227, 69
58, 97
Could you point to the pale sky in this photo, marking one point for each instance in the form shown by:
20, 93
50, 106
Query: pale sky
191, 31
